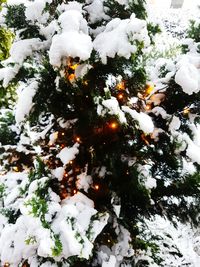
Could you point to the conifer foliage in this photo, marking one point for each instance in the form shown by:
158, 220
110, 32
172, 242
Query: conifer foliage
92, 151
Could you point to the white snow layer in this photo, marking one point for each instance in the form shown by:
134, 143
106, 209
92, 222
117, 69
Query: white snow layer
71, 219
24, 103
22, 49
68, 153
188, 78
119, 38
73, 41
145, 122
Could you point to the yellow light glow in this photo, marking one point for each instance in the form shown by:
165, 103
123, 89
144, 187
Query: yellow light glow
148, 107
16, 169
121, 85
149, 89
73, 67
113, 125
78, 139
186, 111
120, 96
96, 187
71, 77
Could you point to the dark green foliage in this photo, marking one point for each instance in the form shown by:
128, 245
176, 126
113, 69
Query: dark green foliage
7, 96
153, 30
7, 135
15, 17
194, 31
116, 10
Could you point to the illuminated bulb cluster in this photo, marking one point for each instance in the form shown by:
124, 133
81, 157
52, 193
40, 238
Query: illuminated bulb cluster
121, 86
70, 70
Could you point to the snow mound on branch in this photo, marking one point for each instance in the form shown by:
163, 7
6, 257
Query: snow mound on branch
73, 41
112, 107
145, 122
34, 11
96, 11
68, 153
119, 38
24, 48
188, 78
7, 74
24, 103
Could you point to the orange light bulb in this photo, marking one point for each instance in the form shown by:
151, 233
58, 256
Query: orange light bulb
113, 125
78, 139
120, 96
96, 187
121, 85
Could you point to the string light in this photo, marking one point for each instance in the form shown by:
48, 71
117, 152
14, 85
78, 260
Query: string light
148, 107
16, 169
78, 139
113, 125
120, 96
121, 85
96, 187
75, 191
186, 111
149, 89
71, 162
6, 264
62, 133
85, 83
73, 67
71, 77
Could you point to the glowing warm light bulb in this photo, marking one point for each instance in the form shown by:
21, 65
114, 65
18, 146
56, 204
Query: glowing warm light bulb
15, 168
148, 107
149, 89
75, 191
71, 162
186, 111
96, 187
71, 77
62, 133
78, 139
73, 67
120, 96
113, 125
66, 174
6, 264
121, 85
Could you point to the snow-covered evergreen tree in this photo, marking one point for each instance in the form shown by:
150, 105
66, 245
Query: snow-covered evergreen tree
99, 148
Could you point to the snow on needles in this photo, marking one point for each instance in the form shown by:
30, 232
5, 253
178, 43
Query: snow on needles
25, 103
68, 153
73, 41
123, 34
145, 122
